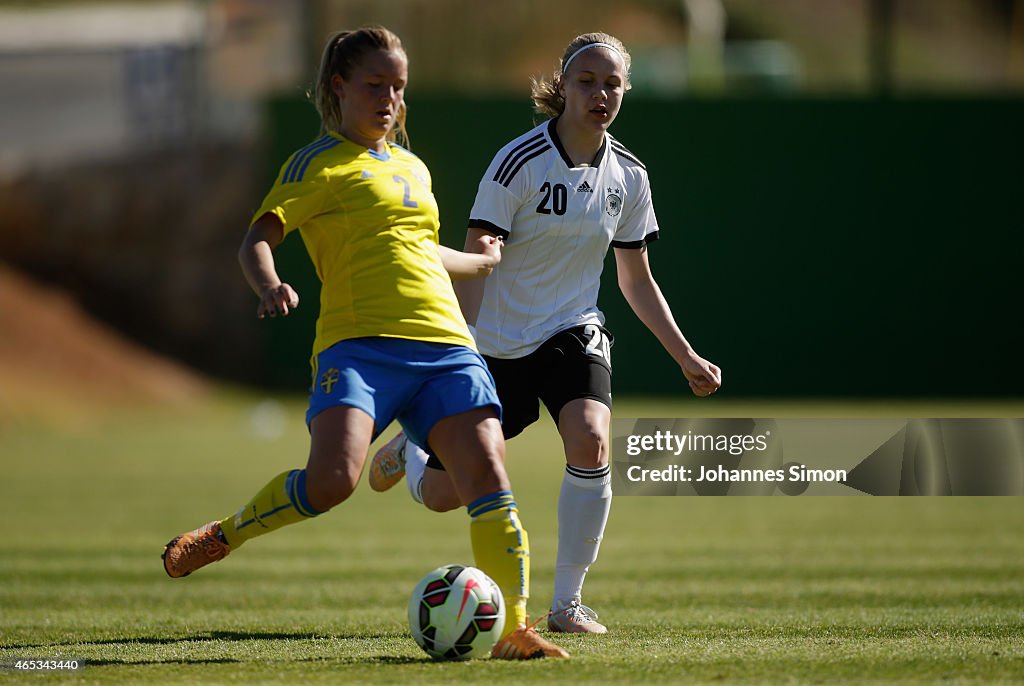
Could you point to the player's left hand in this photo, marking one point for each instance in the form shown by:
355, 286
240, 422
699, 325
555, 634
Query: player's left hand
705, 378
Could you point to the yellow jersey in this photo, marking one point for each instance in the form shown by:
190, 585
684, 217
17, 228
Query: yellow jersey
370, 225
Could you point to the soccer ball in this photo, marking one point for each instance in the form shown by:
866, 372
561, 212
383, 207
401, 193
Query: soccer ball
456, 613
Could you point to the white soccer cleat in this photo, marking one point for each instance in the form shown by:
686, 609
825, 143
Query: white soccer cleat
575, 619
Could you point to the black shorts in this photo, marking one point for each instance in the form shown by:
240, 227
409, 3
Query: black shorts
572, 364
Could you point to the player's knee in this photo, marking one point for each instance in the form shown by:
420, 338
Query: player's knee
441, 501
586, 446
437, 492
326, 491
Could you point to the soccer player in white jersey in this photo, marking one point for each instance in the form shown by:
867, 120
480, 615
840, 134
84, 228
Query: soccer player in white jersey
560, 195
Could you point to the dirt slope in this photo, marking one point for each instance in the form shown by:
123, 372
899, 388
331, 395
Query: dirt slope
57, 363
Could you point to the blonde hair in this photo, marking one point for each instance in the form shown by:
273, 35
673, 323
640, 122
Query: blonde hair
341, 55
544, 93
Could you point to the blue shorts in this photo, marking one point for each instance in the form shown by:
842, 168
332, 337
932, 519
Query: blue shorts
415, 382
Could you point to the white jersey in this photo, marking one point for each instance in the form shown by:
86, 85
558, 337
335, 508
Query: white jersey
558, 222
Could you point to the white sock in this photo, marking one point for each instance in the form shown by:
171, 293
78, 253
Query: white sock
583, 509
415, 465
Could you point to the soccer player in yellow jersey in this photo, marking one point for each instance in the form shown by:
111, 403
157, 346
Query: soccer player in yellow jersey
391, 342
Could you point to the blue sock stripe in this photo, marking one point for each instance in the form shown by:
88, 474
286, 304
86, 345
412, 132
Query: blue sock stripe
295, 486
261, 517
275, 511
491, 502
487, 498
509, 505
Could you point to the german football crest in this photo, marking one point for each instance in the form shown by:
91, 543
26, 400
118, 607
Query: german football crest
613, 202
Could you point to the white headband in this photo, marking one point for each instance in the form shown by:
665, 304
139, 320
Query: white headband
565, 65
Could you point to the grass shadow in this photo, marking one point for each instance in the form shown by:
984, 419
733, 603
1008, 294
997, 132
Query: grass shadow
210, 636
395, 660
170, 661
200, 637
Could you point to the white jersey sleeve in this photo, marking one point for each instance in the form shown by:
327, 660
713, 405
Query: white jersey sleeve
505, 185
639, 224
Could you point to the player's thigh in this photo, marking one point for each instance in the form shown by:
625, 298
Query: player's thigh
339, 439
472, 450
371, 374
518, 384
455, 413
575, 364
578, 391
458, 382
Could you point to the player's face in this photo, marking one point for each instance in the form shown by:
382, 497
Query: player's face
371, 96
593, 88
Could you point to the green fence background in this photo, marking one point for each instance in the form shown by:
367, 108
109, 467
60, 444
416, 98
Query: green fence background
812, 248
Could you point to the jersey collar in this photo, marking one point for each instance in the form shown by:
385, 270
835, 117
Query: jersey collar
553, 135
382, 156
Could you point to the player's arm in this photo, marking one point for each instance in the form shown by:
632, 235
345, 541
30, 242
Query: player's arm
471, 292
646, 299
476, 262
257, 261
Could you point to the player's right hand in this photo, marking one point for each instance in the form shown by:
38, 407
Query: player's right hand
280, 299
490, 247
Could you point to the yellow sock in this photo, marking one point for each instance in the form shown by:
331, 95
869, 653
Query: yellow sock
281, 502
501, 549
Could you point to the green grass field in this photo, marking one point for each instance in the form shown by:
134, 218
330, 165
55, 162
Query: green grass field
695, 590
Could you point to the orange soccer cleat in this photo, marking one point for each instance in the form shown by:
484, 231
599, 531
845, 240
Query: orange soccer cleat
524, 643
388, 464
188, 552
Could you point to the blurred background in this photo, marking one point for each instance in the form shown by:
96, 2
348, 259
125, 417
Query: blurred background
839, 184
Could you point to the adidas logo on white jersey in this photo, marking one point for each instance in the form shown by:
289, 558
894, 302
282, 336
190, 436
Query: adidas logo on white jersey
584, 188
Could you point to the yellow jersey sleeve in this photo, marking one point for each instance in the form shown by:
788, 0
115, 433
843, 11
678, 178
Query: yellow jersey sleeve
297, 196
